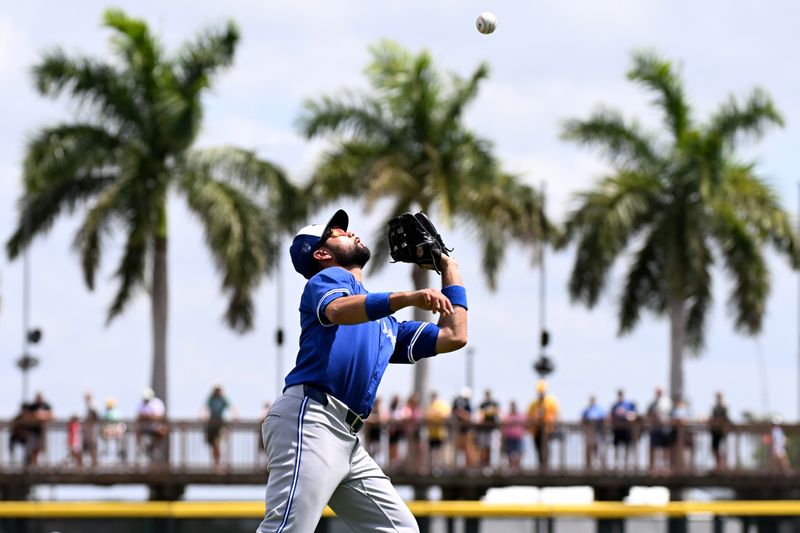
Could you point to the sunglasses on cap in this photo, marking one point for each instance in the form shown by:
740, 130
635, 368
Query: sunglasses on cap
335, 232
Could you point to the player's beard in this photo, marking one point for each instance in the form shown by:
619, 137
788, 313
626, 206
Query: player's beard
358, 256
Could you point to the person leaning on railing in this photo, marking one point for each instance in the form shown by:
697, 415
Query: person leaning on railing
113, 430
39, 413
396, 430
682, 442
719, 425
413, 416
18, 435
513, 432
594, 429
436, 416
622, 417
461, 413
543, 413
214, 414
489, 412
150, 424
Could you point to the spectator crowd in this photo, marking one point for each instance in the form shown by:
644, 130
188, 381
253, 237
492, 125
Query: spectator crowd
102, 432
405, 434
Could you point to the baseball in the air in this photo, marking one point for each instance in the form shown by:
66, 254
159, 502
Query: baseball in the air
486, 22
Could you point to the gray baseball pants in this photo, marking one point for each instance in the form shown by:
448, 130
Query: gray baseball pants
315, 460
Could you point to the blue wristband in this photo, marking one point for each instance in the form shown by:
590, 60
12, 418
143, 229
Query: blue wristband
457, 295
377, 305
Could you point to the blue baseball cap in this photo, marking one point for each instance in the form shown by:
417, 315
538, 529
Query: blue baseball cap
310, 239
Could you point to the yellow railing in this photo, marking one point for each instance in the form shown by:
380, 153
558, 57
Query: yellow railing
468, 509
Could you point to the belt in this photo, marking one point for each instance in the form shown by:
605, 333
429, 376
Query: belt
351, 419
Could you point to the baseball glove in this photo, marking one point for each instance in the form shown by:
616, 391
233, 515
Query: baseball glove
414, 239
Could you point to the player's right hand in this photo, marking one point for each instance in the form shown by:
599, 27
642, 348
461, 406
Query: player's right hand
433, 300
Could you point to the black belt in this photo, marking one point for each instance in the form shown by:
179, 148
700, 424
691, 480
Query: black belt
351, 419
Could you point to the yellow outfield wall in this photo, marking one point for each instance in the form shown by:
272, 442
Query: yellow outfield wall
250, 509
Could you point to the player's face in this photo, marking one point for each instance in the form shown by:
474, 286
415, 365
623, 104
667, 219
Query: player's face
346, 248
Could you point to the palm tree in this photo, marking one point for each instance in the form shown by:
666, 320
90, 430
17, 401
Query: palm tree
406, 142
676, 206
128, 149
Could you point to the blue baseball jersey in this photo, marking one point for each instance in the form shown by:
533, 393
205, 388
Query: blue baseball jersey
348, 361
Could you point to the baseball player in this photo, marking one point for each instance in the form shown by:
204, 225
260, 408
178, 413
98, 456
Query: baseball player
348, 338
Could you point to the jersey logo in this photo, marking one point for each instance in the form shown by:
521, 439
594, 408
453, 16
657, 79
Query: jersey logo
388, 332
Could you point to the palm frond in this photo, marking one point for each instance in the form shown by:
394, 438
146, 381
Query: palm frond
658, 75
390, 66
645, 286
90, 82
744, 262
607, 218
700, 298
758, 206
130, 271
493, 248
255, 174
199, 60
757, 113
363, 119
64, 166
139, 49
61, 152
345, 171
465, 91
241, 238
623, 143
96, 226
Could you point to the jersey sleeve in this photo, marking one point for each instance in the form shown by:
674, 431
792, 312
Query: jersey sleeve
415, 340
325, 287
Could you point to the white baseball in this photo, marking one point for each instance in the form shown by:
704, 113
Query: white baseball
486, 22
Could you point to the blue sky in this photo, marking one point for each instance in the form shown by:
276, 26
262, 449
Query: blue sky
549, 61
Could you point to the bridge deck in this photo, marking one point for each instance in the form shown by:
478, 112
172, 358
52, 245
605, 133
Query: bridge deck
748, 465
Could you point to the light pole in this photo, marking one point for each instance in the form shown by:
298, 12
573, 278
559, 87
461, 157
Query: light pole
543, 365
279, 330
470, 367
29, 336
24, 362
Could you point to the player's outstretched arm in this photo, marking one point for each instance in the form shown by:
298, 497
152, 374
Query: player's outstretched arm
360, 308
452, 326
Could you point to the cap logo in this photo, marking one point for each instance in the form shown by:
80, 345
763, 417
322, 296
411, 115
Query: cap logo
305, 248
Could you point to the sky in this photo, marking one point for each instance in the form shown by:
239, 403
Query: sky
549, 61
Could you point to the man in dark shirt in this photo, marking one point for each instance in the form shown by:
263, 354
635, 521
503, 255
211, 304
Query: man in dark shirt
622, 416
462, 416
19, 432
38, 414
490, 418
90, 429
718, 424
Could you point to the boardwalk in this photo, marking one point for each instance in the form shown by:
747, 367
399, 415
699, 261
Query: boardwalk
748, 469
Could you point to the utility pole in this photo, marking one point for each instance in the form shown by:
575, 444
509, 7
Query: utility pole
29, 335
543, 365
24, 363
470, 368
279, 330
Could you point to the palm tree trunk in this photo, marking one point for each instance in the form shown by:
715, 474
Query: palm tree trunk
159, 317
421, 369
677, 323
